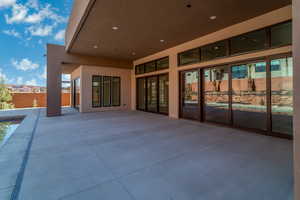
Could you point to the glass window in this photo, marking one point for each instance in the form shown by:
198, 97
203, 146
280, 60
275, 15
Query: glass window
191, 88
281, 34
150, 67
141, 99
240, 71
96, 91
115, 91
216, 95
163, 94
256, 40
77, 93
188, 57
163, 63
282, 95
139, 69
106, 91
190, 95
249, 103
212, 51
152, 94
260, 67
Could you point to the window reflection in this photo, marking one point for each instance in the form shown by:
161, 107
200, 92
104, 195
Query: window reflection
191, 88
163, 94
282, 95
249, 104
191, 56
216, 94
152, 94
256, 40
141, 84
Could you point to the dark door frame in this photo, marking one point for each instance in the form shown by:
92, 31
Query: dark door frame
146, 93
266, 59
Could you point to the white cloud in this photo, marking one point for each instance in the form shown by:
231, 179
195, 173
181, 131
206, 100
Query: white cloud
40, 30
19, 13
33, 4
19, 80
12, 32
66, 77
6, 3
44, 74
31, 82
25, 64
60, 35
3, 76
32, 13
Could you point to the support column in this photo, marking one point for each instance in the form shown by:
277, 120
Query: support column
296, 56
54, 72
173, 88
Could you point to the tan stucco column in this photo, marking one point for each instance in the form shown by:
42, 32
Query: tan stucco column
54, 71
173, 87
296, 55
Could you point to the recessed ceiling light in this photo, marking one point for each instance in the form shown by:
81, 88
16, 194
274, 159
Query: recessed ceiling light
114, 28
95, 46
162, 41
213, 17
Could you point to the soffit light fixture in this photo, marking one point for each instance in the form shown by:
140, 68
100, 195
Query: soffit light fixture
213, 17
162, 41
115, 28
95, 46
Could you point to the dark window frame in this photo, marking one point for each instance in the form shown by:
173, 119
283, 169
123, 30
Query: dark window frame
156, 69
119, 91
267, 45
100, 86
180, 53
267, 59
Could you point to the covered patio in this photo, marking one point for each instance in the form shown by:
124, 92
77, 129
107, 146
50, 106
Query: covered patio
140, 156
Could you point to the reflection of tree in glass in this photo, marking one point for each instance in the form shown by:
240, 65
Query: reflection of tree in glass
218, 75
251, 82
3, 129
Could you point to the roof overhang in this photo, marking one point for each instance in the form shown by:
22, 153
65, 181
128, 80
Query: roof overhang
147, 27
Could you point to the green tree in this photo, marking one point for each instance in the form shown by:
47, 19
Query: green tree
5, 96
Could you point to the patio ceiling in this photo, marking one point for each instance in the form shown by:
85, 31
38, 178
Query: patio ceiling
142, 25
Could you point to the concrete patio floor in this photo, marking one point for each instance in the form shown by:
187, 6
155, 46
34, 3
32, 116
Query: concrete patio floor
143, 156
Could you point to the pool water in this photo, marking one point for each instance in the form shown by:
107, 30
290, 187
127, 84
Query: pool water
7, 128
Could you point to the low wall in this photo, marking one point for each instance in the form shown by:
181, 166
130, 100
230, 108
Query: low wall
28, 100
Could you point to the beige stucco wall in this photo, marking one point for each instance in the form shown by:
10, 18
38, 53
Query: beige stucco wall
262, 21
86, 84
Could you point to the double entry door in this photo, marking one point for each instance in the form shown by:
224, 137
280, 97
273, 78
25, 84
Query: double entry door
153, 94
254, 95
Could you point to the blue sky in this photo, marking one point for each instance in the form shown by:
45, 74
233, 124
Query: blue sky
26, 26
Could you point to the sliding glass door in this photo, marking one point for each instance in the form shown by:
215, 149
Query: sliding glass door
163, 81
282, 95
141, 94
153, 94
76, 93
254, 95
190, 106
216, 94
249, 100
